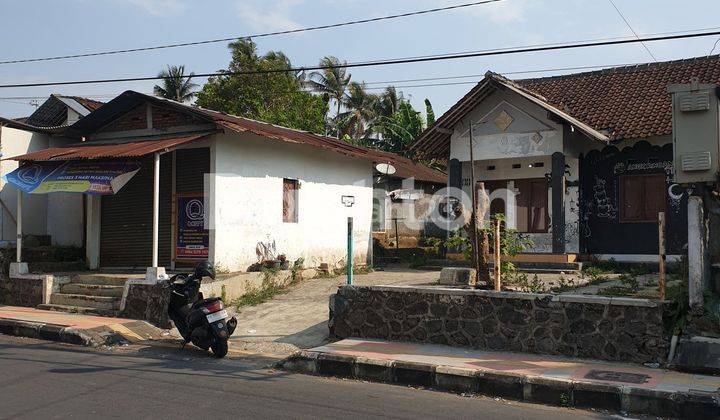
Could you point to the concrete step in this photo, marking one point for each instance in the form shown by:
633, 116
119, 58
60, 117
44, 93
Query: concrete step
85, 301
103, 279
78, 310
92, 289
56, 266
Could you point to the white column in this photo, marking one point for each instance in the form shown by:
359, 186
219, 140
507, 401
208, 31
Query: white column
92, 231
156, 209
19, 227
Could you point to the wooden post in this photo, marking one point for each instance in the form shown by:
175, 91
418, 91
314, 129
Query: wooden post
661, 260
473, 222
483, 208
497, 262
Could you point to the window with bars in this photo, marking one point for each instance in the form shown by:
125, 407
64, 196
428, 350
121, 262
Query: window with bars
642, 197
290, 200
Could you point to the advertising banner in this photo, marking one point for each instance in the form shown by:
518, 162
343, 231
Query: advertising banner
192, 239
86, 176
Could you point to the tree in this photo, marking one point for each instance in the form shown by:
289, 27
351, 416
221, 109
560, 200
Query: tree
400, 129
332, 81
429, 113
277, 98
357, 121
388, 102
176, 85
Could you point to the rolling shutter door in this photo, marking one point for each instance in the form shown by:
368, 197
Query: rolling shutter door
126, 220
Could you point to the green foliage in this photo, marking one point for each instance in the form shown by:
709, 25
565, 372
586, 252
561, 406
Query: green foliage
461, 244
629, 281
565, 284
679, 294
596, 274
175, 85
276, 98
529, 285
434, 243
223, 293
512, 242
399, 129
429, 113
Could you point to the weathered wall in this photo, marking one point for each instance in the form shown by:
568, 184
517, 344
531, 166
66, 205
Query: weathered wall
248, 174
601, 229
22, 292
618, 329
17, 142
148, 302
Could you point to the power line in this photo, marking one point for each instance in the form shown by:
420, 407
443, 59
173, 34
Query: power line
714, 46
380, 62
261, 35
631, 29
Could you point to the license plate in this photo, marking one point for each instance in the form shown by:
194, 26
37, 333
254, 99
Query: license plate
217, 316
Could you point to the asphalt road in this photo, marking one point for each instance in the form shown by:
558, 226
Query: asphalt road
47, 380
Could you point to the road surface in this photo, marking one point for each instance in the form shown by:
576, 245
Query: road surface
42, 380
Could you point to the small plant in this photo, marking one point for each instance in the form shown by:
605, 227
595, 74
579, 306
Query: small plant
459, 243
433, 243
616, 291
596, 274
629, 281
531, 286
223, 293
564, 284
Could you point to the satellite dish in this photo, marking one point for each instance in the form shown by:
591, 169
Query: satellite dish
385, 168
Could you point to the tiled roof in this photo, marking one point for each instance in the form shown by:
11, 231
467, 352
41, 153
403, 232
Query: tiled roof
620, 102
88, 103
626, 102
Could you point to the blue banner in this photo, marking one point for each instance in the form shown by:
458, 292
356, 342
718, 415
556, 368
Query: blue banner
86, 176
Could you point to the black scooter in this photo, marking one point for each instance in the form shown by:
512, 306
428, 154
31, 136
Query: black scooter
203, 322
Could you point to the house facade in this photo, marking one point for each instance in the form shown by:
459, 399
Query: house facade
581, 163
64, 224
209, 185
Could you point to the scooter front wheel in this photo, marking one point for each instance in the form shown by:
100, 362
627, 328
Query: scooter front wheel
219, 348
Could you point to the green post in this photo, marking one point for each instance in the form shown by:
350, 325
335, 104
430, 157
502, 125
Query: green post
350, 251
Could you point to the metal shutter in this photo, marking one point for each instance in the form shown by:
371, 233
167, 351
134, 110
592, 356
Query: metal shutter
126, 220
191, 165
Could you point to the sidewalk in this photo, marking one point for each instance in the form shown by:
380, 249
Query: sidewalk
542, 379
80, 329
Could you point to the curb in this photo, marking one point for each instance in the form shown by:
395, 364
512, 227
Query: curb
542, 390
49, 332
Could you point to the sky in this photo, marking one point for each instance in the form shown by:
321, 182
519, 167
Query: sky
32, 29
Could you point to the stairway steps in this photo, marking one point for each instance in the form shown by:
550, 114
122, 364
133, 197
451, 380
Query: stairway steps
78, 310
93, 289
102, 279
85, 301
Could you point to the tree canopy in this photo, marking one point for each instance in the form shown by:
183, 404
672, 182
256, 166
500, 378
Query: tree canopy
277, 98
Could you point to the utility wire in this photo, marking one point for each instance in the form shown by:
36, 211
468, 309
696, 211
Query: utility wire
714, 46
632, 30
261, 35
379, 63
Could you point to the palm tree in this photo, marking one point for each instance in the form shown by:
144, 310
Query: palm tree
361, 112
333, 81
388, 102
176, 85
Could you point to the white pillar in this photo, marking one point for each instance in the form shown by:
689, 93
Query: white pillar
18, 257
696, 251
92, 231
156, 209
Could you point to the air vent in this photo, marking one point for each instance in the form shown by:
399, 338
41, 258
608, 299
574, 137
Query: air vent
698, 101
491, 168
696, 161
516, 166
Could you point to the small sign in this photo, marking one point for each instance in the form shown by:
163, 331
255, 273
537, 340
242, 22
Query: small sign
348, 200
193, 240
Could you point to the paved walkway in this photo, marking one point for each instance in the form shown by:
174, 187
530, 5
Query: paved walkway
96, 328
298, 319
531, 365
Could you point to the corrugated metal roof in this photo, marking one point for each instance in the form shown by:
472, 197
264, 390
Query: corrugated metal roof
123, 150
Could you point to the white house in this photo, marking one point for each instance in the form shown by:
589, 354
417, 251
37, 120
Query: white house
209, 185
581, 163
63, 224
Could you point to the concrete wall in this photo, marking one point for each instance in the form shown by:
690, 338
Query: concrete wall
16, 142
618, 329
65, 213
247, 179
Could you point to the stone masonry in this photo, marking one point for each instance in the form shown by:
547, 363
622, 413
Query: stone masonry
616, 329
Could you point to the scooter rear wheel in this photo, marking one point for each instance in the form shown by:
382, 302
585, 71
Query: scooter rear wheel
219, 348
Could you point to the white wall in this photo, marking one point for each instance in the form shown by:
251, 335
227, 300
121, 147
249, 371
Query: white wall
249, 172
65, 214
14, 142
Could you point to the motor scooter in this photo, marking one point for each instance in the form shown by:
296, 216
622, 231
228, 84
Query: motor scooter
203, 322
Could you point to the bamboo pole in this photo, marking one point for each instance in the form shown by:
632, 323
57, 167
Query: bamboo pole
496, 268
661, 259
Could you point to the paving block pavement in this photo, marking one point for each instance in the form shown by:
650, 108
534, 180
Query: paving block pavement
79, 329
559, 381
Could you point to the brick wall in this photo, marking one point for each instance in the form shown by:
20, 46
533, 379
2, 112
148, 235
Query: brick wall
133, 120
162, 119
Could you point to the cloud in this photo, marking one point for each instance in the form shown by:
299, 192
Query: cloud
159, 7
261, 15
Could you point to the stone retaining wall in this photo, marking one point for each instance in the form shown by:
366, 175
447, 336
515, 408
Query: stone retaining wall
617, 329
